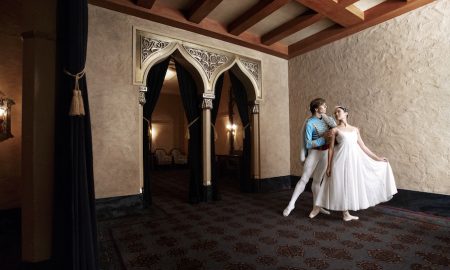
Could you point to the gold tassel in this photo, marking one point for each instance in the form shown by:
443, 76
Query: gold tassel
243, 131
77, 104
74, 105
188, 135
215, 132
80, 103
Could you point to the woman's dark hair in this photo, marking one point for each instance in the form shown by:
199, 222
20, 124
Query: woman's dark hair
315, 104
343, 108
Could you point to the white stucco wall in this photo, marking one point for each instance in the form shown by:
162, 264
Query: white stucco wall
395, 79
115, 108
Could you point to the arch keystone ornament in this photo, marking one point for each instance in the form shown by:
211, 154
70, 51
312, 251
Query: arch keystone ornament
209, 61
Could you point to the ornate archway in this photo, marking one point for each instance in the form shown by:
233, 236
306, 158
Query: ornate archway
150, 49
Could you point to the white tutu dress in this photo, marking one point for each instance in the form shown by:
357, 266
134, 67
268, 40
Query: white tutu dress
357, 181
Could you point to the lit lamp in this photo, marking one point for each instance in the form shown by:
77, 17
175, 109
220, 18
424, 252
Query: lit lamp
5, 117
231, 128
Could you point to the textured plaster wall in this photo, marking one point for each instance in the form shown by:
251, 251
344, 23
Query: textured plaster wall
395, 78
11, 86
115, 110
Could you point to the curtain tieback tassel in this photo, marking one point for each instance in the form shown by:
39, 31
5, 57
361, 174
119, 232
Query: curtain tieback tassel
77, 104
188, 135
243, 133
149, 127
215, 132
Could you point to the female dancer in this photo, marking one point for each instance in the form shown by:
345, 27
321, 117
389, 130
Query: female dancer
356, 178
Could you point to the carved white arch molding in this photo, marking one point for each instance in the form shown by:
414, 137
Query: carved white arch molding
210, 63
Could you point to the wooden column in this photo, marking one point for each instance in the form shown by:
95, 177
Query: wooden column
206, 138
38, 95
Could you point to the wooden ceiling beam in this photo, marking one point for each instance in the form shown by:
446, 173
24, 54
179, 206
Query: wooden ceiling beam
255, 14
345, 3
145, 3
334, 11
175, 18
200, 9
290, 27
373, 16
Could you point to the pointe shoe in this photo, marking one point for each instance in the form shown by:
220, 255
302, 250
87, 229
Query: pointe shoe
287, 210
347, 217
323, 211
314, 212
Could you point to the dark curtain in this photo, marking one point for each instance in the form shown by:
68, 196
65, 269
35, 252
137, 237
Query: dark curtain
240, 95
188, 91
155, 80
74, 232
214, 165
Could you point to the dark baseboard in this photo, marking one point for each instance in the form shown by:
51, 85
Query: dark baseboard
272, 184
431, 203
207, 193
44, 265
135, 198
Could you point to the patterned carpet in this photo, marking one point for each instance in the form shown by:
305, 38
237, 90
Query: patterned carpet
247, 231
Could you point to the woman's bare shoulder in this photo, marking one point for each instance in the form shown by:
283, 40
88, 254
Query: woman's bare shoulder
334, 130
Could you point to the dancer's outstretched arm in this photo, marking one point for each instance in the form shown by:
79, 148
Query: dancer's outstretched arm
331, 150
367, 150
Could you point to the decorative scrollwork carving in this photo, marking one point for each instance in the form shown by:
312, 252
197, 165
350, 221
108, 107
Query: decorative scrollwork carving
251, 67
255, 108
150, 46
142, 100
209, 61
207, 103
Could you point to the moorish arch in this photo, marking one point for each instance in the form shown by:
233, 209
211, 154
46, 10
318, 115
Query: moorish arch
206, 65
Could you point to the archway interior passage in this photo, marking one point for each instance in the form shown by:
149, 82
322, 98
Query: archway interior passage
192, 84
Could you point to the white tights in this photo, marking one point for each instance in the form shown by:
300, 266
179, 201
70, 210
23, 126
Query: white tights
315, 163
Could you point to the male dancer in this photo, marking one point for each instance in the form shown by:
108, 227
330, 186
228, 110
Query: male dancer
315, 141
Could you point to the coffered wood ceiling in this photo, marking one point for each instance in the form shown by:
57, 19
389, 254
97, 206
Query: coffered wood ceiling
284, 28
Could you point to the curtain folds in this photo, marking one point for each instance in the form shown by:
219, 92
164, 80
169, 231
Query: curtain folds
242, 104
75, 231
155, 80
189, 97
214, 165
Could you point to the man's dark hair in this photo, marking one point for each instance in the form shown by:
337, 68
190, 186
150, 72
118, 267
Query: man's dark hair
315, 104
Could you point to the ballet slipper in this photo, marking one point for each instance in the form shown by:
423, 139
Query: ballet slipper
324, 211
288, 210
314, 212
347, 217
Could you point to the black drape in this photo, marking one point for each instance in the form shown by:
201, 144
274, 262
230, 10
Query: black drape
155, 80
75, 232
214, 165
240, 95
188, 91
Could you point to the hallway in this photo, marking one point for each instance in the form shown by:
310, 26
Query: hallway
247, 231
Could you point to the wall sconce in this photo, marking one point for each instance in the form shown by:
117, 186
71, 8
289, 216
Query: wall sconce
5, 117
232, 129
